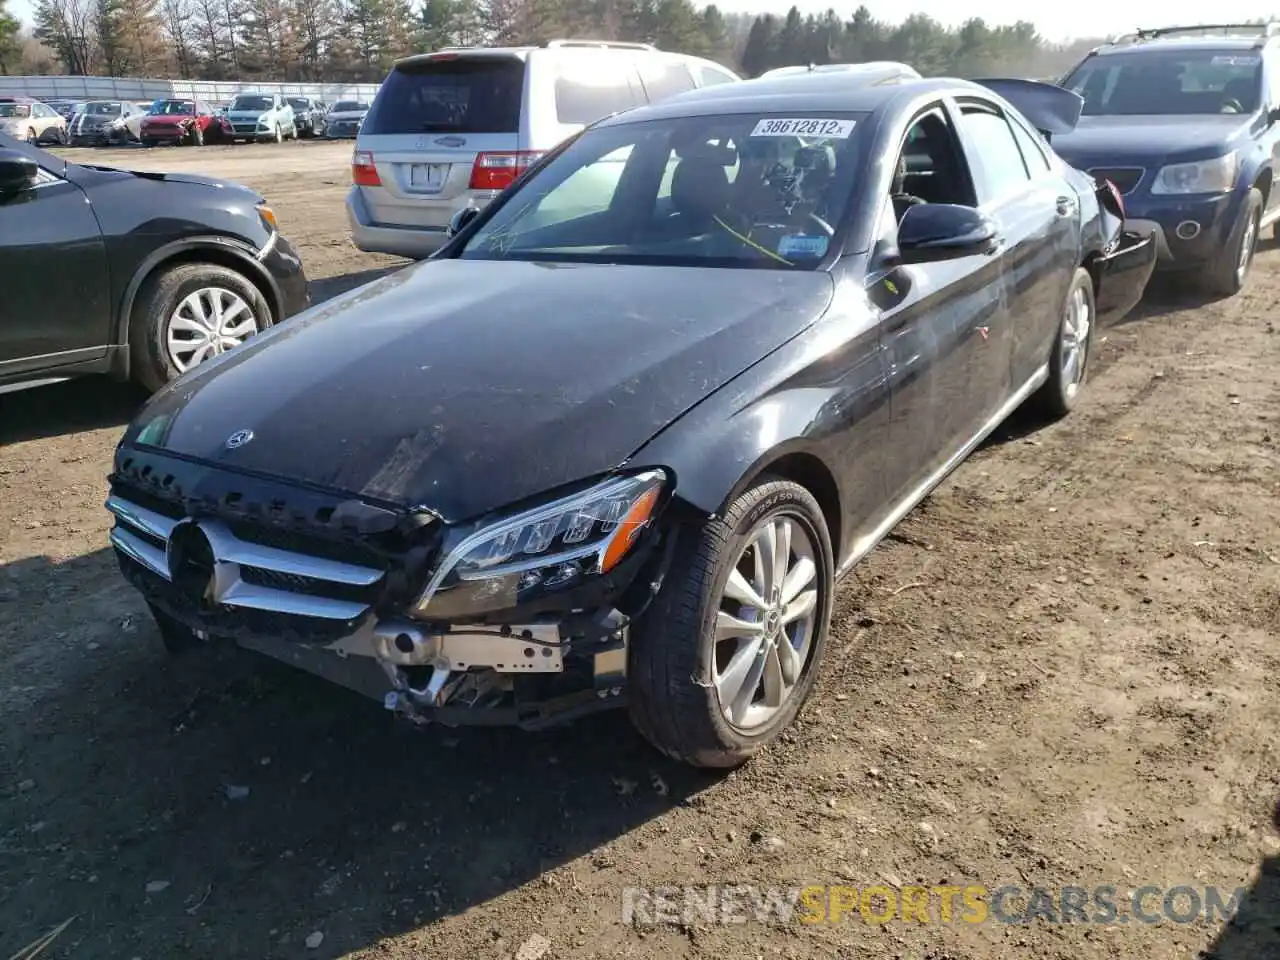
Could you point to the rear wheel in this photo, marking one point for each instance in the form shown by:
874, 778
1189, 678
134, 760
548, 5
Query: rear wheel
727, 655
1069, 358
188, 313
1226, 275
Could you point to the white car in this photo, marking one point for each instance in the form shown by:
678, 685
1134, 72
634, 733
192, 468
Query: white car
448, 130
261, 116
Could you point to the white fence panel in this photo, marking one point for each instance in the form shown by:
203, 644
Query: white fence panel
134, 88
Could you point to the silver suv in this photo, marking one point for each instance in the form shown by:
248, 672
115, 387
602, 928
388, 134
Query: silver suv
448, 130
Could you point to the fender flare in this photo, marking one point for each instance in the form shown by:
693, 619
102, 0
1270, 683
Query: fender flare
241, 251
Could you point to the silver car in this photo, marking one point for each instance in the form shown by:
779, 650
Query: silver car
449, 130
344, 118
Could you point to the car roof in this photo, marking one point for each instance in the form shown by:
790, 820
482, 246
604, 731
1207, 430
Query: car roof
18, 100
1193, 44
804, 92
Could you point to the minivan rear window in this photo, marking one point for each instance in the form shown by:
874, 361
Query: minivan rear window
455, 95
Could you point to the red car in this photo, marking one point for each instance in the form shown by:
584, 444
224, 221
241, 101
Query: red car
182, 121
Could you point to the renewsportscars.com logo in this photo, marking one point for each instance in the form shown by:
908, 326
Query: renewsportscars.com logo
971, 903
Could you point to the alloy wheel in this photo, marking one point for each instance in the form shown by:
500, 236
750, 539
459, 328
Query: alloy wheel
766, 622
1247, 244
1075, 339
206, 323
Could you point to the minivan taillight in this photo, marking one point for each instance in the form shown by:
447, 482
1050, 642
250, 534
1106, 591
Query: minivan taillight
497, 171
363, 172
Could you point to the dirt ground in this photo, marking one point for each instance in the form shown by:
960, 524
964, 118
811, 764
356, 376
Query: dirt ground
1061, 670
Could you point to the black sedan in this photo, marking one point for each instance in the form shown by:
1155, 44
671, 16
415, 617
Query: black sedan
616, 441
140, 275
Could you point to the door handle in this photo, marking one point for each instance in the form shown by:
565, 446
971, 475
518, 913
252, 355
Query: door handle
1066, 206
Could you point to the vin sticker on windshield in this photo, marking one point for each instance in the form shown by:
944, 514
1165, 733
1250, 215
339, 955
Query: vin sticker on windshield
803, 127
800, 245
1236, 61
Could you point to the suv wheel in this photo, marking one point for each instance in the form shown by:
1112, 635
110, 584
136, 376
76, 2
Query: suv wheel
1069, 360
727, 655
190, 312
1227, 274
279, 135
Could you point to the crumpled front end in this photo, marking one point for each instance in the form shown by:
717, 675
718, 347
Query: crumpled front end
378, 598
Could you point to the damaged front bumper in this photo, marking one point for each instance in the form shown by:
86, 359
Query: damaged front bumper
330, 598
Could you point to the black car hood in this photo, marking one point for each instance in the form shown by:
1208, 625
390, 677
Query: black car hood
467, 386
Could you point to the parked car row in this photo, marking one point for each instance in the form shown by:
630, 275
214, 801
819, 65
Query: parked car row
177, 120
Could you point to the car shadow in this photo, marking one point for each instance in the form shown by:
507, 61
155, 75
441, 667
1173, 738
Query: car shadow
73, 406
258, 804
324, 288
1254, 931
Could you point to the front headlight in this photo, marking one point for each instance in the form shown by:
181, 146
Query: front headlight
1204, 176
549, 547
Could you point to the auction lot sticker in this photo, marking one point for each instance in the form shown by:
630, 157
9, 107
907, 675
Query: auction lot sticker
803, 127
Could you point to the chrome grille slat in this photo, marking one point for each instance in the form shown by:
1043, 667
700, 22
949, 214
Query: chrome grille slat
136, 525
153, 524
140, 551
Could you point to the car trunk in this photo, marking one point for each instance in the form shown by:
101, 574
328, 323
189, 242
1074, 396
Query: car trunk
430, 123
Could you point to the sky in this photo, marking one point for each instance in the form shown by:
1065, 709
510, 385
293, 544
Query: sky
1058, 20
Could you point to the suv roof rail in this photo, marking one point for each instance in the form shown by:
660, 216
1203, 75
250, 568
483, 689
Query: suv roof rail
1260, 30
604, 44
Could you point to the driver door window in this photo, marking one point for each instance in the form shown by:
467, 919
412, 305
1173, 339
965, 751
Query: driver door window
998, 168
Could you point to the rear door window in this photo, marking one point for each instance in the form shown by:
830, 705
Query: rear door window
585, 94
709, 76
450, 95
665, 78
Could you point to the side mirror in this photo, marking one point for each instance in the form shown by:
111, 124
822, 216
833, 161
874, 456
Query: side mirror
459, 221
930, 232
17, 171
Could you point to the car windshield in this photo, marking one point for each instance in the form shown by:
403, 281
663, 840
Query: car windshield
251, 103
104, 109
1170, 83
348, 106
164, 108
748, 190
299, 103
15, 110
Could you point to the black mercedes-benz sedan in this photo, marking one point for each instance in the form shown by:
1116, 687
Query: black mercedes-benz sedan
617, 440
138, 275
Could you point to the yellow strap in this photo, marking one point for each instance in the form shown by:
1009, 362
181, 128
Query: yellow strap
750, 243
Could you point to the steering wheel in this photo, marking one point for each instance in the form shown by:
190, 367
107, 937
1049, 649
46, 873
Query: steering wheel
1235, 105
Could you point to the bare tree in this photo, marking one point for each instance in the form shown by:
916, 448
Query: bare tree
209, 37
66, 26
177, 15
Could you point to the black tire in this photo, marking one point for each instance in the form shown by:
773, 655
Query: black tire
148, 142
1058, 396
672, 700
1226, 275
279, 136
197, 135
32, 139
156, 302
176, 638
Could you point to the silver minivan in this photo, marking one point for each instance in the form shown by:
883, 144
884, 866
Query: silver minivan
449, 130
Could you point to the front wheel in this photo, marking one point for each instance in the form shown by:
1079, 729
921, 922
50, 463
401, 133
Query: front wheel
197, 135
279, 134
1226, 275
725, 658
188, 313
32, 139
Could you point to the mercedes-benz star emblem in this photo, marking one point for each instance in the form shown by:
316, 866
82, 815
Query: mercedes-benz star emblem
191, 562
239, 439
